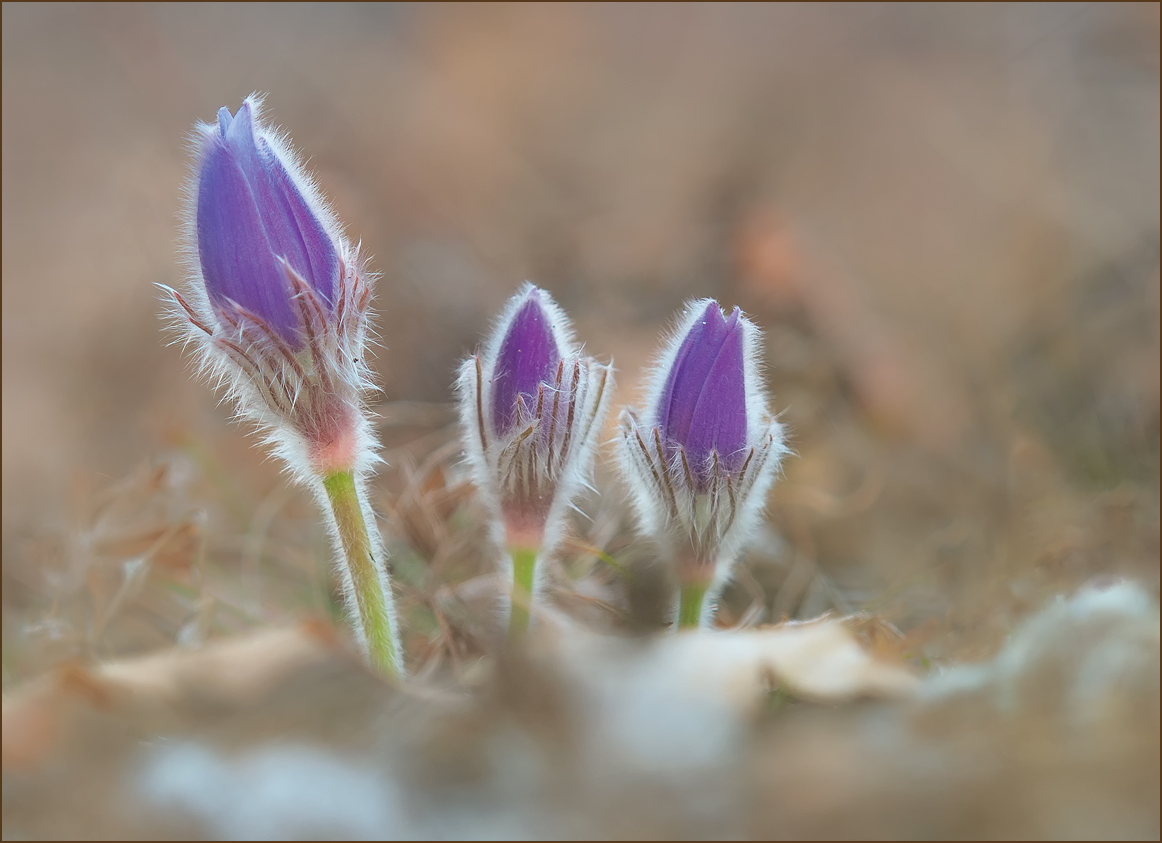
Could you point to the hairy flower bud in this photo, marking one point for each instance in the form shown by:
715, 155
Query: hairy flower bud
277, 304
702, 456
531, 407
278, 300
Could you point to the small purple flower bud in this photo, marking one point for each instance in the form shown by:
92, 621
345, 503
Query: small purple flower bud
703, 406
253, 223
528, 357
702, 458
278, 300
532, 406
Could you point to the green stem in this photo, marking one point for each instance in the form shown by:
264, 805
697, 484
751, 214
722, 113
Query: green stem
372, 600
691, 596
524, 560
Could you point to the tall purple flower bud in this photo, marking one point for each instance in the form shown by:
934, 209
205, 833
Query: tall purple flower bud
278, 300
277, 304
531, 406
702, 456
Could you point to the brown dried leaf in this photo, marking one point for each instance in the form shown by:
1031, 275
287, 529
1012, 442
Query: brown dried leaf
821, 660
233, 672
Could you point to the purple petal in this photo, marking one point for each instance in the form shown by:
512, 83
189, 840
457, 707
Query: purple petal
306, 235
528, 356
718, 421
295, 233
237, 263
224, 119
688, 374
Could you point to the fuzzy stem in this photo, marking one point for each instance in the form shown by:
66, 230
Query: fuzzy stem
690, 600
373, 601
524, 561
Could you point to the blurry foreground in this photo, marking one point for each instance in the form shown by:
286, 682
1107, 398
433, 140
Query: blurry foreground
746, 734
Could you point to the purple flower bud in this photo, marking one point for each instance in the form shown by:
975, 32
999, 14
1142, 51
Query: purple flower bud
277, 301
528, 357
703, 405
703, 455
532, 406
253, 223
277, 304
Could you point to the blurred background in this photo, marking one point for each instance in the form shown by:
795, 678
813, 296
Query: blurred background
944, 217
